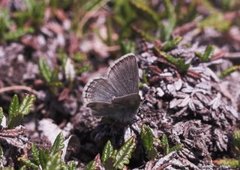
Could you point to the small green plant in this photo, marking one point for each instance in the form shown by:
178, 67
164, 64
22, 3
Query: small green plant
178, 62
49, 75
171, 44
166, 146
81, 65
48, 159
147, 138
143, 9
127, 47
229, 70
17, 110
5, 22
33, 14
16, 24
114, 159
166, 30
206, 56
217, 21
19, 32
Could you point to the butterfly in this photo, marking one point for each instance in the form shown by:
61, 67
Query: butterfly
116, 95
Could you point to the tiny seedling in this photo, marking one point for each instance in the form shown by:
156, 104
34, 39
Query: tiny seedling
171, 44
229, 70
114, 159
148, 142
206, 56
49, 75
178, 62
48, 159
17, 110
166, 146
33, 14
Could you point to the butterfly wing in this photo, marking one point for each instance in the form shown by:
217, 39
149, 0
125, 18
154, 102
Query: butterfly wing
117, 95
122, 108
129, 103
99, 90
123, 75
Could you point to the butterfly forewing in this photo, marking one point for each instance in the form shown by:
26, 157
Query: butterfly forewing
123, 75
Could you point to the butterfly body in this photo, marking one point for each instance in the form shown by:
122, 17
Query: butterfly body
116, 95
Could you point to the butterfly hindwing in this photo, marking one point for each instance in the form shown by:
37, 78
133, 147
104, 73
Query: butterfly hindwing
122, 108
130, 100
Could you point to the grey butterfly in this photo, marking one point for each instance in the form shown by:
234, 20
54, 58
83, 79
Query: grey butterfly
115, 95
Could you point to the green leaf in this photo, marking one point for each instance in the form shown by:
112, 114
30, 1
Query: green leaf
91, 165
143, 34
208, 53
33, 14
216, 20
35, 154
108, 156
5, 22
29, 164
90, 5
206, 56
95, 164
145, 11
16, 111
45, 70
24, 167
176, 148
54, 163
229, 70
171, 44
44, 156
13, 36
124, 15
1, 115
172, 19
54, 82
50, 159
14, 106
71, 165
13, 112
107, 151
124, 154
178, 62
165, 144
26, 104
127, 47
147, 137
58, 144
